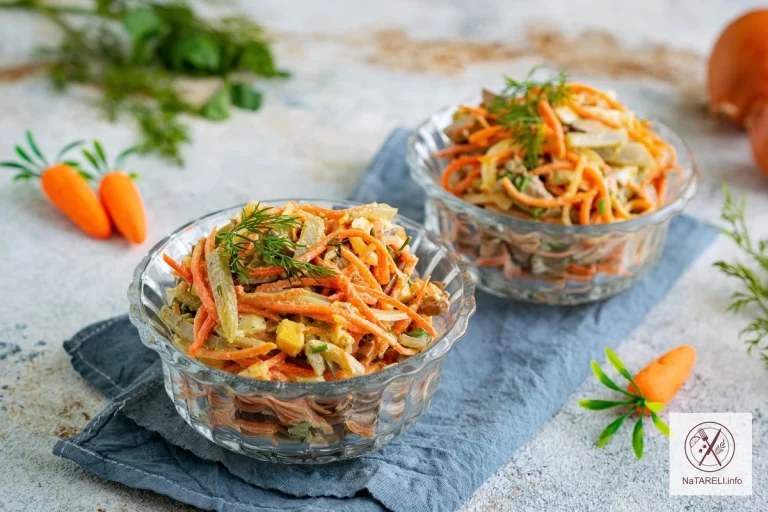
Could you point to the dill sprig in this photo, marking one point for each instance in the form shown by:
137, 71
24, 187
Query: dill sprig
517, 108
755, 292
258, 234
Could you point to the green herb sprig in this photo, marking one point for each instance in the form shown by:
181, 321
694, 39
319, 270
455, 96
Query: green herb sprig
754, 294
134, 53
33, 162
634, 400
517, 108
257, 233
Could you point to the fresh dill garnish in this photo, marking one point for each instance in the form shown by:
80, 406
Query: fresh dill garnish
258, 236
755, 293
517, 108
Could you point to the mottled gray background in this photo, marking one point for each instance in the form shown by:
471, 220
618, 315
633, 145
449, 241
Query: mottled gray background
360, 69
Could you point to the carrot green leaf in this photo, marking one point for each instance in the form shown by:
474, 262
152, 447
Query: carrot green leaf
660, 425
611, 429
637, 438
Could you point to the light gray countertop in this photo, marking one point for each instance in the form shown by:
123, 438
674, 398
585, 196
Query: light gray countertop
360, 69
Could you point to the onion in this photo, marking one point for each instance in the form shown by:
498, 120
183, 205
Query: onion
412, 342
389, 316
604, 139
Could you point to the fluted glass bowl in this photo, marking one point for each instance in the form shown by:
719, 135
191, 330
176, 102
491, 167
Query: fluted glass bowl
532, 261
268, 420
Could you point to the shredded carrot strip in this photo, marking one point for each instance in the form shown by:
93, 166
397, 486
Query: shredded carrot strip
536, 202
453, 150
455, 166
586, 206
481, 136
402, 325
361, 267
199, 281
597, 177
179, 269
466, 181
202, 336
545, 109
418, 319
577, 87
554, 166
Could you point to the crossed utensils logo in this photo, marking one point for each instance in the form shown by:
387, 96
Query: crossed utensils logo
709, 446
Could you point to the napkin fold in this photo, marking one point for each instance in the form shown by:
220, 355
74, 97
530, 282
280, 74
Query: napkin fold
515, 368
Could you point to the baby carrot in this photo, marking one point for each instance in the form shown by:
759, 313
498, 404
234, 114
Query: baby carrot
64, 185
660, 380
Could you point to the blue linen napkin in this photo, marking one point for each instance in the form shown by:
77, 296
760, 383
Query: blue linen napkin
515, 368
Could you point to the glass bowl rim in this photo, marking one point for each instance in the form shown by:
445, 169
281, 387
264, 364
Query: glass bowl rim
453, 332
433, 189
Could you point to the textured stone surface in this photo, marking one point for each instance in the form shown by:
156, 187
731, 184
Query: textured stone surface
358, 71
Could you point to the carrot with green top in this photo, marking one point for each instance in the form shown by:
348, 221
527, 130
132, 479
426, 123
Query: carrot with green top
118, 193
660, 380
64, 185
649, 391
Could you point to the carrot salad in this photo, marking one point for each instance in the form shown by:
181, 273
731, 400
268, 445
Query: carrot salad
556, 151
301, 293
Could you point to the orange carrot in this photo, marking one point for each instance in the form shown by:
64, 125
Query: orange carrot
121, 199
202, 336
576, 87
515, 194
546, 112
660, 380
198, 280
453, 150
179, 269
70, 193
64, 186
554, 166
586, 206
455, 166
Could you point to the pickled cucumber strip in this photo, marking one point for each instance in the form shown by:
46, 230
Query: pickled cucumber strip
223, 288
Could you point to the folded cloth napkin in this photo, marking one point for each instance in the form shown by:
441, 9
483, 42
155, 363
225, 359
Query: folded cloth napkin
515, 368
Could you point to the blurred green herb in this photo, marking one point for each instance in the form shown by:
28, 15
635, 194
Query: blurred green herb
135, 52
754, 294
634, 400
517, 108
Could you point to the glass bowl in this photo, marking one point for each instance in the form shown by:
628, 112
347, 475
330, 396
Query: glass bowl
300, 422
541, 262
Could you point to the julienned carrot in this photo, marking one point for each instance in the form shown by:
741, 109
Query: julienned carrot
586, 206
602, 189
119, 194
198, 280
536, 202
455, 166
389, 301
180, 270
361, 267
577, 87
64, 186
121, 199
452, 150
402, 325
545, 109
660, 380
550, 167
202, 336
466, 181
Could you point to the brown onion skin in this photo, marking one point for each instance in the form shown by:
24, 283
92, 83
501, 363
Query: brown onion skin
738, 79
738, 66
